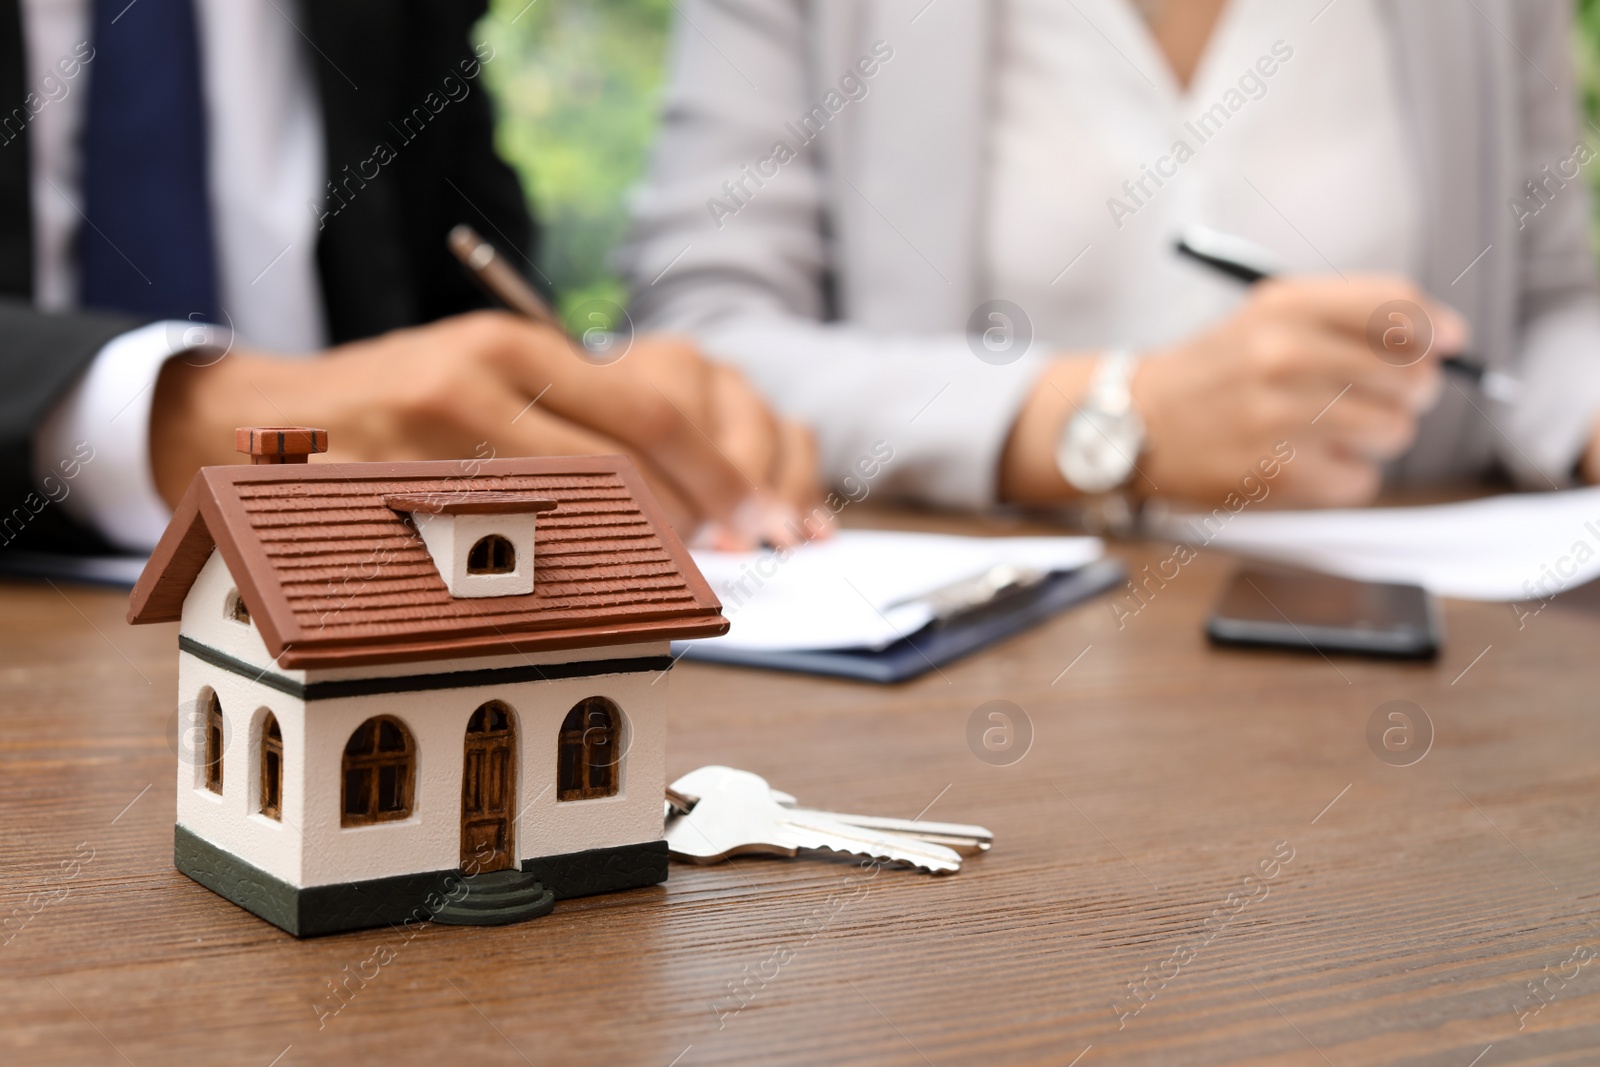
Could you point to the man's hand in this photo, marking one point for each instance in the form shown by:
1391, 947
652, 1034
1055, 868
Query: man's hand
709, 446
1294, 364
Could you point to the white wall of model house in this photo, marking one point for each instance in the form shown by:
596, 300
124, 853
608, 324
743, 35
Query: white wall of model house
232, 820
309, 846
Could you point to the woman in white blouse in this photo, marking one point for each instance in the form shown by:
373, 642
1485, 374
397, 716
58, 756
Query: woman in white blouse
843, 190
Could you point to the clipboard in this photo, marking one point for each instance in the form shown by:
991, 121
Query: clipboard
939, 643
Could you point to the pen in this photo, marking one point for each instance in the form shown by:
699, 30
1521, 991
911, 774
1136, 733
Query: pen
501, 281
1248, 262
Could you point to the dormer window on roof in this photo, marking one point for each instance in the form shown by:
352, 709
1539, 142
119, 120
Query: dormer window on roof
491, 555
481, 542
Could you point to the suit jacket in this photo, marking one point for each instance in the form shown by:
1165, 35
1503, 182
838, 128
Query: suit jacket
843, 284
382, 258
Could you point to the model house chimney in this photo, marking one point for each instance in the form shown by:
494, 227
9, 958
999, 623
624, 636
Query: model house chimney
481, 541
279, 444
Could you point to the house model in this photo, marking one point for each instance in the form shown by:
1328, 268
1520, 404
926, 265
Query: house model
420, 691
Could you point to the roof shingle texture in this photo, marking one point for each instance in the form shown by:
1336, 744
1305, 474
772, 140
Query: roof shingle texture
334, 577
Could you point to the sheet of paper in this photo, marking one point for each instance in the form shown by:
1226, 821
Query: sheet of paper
858, 589
1523, 546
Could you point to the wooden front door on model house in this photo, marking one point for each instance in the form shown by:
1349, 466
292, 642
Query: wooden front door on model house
488, 790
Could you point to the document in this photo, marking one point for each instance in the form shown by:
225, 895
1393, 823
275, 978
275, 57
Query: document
1518, 547
863, 589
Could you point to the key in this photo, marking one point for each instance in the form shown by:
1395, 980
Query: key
964, 838
681, 802
736, 815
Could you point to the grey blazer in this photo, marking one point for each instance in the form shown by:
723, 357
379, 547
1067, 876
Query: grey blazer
842, 280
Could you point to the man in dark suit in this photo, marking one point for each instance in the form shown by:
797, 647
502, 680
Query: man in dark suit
290, 171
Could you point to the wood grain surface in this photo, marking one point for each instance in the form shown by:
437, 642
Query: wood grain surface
1419, 904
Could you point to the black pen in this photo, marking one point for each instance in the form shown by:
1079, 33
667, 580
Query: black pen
1249, 263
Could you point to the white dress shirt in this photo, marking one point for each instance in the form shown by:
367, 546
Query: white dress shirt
265, 167
1310, 161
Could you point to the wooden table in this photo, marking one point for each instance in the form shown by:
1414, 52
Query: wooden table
1419, 903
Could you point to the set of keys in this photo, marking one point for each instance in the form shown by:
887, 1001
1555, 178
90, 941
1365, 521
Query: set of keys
718, 812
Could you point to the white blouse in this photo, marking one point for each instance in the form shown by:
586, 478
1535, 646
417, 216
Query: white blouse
1290, 134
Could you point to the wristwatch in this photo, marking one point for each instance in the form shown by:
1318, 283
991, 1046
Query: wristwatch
1100, 445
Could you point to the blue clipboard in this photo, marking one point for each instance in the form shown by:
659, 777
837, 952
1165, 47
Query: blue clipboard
934, 645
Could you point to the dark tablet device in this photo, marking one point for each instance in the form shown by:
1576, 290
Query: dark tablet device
1289, 608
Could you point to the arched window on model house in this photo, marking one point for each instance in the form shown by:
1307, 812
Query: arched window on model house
379, 772
588, 758
271, 767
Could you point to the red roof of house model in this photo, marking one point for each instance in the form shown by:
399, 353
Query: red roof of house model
335, 577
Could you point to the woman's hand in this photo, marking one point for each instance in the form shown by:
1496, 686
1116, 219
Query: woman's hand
1339, 369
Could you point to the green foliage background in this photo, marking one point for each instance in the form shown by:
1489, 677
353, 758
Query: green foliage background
1586, 45
578, 82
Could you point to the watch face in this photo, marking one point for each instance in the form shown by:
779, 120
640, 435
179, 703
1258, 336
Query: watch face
1098, 450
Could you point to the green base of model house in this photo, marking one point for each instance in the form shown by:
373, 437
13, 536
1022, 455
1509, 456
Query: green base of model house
428, 897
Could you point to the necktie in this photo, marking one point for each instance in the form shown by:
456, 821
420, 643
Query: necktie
147, 248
